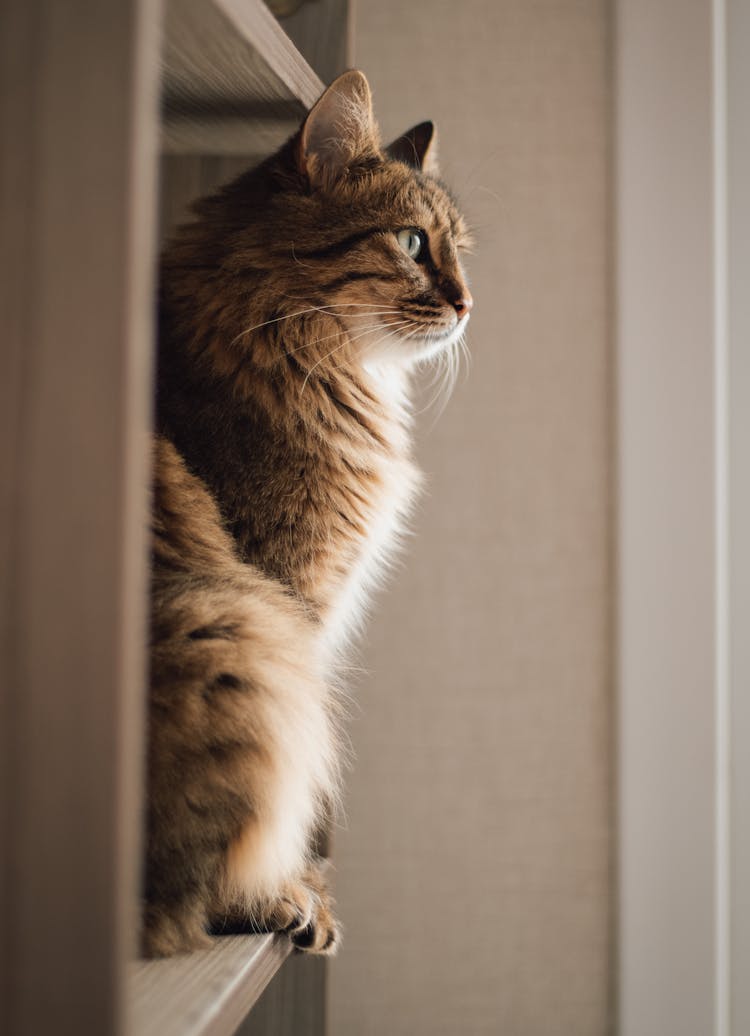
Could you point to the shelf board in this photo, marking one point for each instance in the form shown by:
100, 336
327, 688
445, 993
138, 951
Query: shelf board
234, 87
206, 993
232, 80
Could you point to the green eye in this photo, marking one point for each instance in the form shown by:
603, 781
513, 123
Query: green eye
414, 243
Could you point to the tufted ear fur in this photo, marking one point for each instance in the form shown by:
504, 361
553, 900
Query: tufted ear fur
417, 148
340, 132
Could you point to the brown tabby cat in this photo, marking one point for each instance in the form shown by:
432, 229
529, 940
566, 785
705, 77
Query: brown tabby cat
292, 312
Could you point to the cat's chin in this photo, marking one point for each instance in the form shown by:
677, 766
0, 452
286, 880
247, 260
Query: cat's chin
423, 348
415, 349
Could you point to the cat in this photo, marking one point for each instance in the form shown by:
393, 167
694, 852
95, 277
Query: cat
292, 311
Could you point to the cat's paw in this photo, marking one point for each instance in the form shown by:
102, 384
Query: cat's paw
304, 912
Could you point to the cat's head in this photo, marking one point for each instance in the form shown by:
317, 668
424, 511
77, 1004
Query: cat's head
383, 237
337, 226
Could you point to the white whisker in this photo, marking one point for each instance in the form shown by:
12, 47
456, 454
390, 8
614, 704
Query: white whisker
447, 365
327, 310
349, 340
326, 338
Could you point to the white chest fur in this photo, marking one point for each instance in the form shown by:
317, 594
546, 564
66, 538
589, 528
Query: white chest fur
399, 482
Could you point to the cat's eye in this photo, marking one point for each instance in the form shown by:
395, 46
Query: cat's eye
414, 243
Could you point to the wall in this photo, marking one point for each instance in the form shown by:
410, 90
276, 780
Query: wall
473, 872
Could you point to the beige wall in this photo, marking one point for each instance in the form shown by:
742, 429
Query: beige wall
474, 871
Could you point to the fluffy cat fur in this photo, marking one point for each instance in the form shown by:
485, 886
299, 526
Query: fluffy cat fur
290, 319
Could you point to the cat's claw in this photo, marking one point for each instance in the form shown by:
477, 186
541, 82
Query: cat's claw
320, 935
318, 938
323, 934
305, 915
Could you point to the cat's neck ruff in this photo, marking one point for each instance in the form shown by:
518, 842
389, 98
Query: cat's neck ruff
391, 383
398, 483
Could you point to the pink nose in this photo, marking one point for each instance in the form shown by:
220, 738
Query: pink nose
463, 306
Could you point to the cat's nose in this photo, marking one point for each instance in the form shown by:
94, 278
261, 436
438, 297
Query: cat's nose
463, 305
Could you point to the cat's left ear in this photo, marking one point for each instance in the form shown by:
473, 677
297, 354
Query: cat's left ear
340, 132
417, 148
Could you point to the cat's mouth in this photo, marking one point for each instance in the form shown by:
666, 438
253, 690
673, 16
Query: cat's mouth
429, 342
403, 342
443, 333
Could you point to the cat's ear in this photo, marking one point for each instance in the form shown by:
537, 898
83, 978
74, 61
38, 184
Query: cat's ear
417, 148
340, 131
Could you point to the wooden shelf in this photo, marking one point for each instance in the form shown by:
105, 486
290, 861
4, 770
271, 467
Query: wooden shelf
206, 993
93, 95
232, 80
232, 84
233, 88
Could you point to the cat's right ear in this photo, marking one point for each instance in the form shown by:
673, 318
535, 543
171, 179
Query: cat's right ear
339, 133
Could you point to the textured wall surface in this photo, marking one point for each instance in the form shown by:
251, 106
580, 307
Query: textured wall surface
473, 873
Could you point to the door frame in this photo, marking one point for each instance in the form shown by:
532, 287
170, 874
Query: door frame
682, 154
